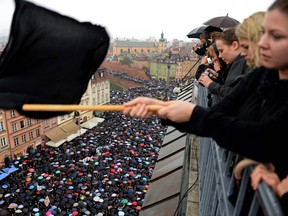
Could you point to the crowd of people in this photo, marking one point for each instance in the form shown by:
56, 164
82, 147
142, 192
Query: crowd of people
105, 171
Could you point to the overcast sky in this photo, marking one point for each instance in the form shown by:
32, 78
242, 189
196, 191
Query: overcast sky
144, 19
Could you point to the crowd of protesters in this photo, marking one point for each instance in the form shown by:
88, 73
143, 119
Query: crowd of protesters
105, 171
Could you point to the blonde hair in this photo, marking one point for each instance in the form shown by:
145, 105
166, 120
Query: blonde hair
250, 29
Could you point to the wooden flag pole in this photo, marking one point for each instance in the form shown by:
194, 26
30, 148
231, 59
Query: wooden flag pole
68, 107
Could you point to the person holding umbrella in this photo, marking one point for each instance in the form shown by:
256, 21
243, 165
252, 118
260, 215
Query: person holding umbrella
252, 119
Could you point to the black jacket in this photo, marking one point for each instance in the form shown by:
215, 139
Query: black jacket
251, 120
230, 76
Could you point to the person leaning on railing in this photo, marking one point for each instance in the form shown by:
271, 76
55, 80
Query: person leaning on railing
280, 187
229, 51
252, 119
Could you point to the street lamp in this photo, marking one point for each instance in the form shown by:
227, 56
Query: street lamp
167, 83
168, 79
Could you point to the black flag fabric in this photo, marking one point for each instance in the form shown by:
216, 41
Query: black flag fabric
49, 59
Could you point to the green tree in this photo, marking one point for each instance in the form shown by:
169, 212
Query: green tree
125, 61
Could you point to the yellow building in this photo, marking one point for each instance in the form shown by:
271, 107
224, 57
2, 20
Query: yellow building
139, 47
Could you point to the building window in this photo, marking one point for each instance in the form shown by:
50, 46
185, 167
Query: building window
14, 127
46, 123
29, 121
31, 137
3, 141
12, 113
36, 120
135, 50
22, 124
128, 50
1, 126
16, 141
142, 50
24, 138
37, 132
93, 89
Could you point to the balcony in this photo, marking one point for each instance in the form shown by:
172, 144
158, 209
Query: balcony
194, 176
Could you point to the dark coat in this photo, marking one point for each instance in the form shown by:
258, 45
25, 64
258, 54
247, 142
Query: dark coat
251, 120
230, 76
202, 51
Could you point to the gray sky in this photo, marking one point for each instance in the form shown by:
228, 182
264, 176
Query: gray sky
144, 19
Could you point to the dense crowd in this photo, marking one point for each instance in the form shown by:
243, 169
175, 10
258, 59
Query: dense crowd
105, 171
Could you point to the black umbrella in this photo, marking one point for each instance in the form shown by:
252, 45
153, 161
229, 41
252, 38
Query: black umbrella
195, 33
222, 22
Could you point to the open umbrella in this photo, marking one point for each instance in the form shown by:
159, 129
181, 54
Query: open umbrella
195, 33
222, 22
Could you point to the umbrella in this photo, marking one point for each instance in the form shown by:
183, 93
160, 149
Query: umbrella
222, 22
31, 170
195, 33
4, 186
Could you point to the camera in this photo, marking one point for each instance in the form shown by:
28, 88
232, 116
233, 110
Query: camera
209, 61
208, 73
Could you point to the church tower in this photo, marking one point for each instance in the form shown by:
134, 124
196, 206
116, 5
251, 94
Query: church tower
161, 44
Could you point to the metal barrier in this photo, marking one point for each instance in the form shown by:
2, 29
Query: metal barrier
220, 193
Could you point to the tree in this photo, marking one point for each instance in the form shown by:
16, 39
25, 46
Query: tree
125, 61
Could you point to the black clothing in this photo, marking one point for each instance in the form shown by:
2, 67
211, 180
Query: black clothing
284, 203
230, 76
251, 120
202, 51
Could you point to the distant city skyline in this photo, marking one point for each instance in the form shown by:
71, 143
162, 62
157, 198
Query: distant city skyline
131, 19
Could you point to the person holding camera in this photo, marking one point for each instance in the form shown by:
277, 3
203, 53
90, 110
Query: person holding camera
205, 43
252, 119
229, 50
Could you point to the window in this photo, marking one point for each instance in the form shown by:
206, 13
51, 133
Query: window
46, 123
22, 124
1, 126
12, 113
14, 127
36, 120
3, 141
29, 121
16, 141
24, 138
37, 132
31, 137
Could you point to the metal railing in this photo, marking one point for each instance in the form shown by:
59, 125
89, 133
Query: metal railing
220, 193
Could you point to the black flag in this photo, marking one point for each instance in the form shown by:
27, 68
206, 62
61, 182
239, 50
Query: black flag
49, 59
